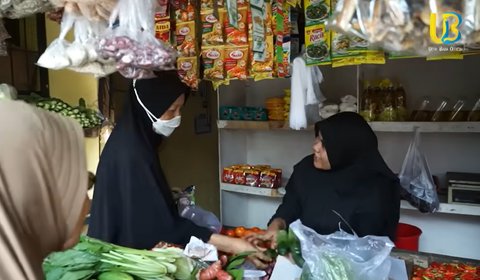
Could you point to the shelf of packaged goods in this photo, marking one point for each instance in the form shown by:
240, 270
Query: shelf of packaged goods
449, 208
434, 127
252, 125
250, 190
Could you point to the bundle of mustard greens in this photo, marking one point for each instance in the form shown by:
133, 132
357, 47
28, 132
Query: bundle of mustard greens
95, 259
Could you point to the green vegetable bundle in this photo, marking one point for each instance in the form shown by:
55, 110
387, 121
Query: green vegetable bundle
87, 118
288, 243
95, 259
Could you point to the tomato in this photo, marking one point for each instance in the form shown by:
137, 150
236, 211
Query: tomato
230, 232
249, 232
256, 229
240, 231
469, 276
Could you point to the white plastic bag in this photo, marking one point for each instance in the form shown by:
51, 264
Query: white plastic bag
416, 180
55, 56
340, 255
133, 44
83, 50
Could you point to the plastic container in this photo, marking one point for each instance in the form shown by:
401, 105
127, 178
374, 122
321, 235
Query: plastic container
441, 114
422, 112
474, 115
408, 237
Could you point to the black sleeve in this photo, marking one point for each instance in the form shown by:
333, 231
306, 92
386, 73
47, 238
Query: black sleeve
137, 214
393, 212
290, 208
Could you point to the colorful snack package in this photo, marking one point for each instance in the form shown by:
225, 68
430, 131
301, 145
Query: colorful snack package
212, 29
236, 36
268, 179
236, 59
188, 71
185, 37
184, 15
252, 177
162, 30
263, 69
162, 22
206, 5
227, 175
316, 12
317, 45
212, 58
239, 176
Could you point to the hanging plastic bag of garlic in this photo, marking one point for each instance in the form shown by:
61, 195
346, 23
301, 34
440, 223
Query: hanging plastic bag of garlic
132, 43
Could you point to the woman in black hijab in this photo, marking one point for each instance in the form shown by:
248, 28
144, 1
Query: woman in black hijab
132, 204
346, 174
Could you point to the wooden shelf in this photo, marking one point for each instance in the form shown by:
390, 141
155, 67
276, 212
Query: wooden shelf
447, 208
250, 190
434, 127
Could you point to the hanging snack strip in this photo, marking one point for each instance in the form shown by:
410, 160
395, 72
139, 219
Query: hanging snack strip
399, 26
162, 22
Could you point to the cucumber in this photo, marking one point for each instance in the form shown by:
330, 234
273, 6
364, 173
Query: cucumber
114, 275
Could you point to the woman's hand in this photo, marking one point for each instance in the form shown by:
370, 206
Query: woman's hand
267, 239
258, 258
236, 246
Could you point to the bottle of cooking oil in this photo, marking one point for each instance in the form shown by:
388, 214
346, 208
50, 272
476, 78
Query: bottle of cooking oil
367, 105
401, 103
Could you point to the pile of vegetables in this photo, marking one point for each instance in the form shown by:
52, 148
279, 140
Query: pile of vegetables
88, 118
95, 259
225, 268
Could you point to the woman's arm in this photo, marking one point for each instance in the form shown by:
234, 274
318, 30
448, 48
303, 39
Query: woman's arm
236, 245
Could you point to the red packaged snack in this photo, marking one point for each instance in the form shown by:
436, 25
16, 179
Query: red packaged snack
268, 179
239, 176
279, 177
252, 177
227, 175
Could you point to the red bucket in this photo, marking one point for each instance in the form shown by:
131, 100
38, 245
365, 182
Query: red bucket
407, 237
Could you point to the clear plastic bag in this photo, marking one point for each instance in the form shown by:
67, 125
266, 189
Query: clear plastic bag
83, 53
404, 26
133, 44
340, 255
3, 36
417, 183
55, 56
23, 8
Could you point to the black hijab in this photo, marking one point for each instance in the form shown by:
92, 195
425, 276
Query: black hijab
132, 204
359, 185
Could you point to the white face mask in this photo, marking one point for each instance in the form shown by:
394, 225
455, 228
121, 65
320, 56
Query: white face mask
161, 127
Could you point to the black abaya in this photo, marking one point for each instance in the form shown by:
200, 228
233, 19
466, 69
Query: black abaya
359, 186
133, 205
